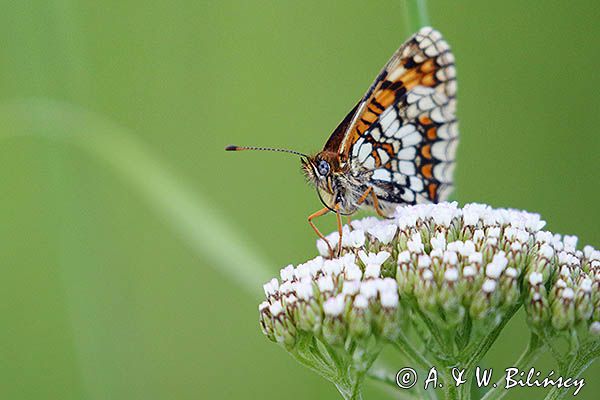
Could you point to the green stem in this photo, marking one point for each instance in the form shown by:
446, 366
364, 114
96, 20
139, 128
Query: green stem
432, 327
576, 365
403, 345
530, 354
416, 14
348, 391
450, 389
366, 366
383, 375
310, 364
484, 345
475, 354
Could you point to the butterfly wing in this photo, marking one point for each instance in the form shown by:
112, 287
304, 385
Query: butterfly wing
404, 131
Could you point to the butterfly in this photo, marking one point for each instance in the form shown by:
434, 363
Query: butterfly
398, 144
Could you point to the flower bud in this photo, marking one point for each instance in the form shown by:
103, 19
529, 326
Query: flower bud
563, 309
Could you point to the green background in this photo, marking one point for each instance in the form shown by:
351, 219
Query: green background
113, 119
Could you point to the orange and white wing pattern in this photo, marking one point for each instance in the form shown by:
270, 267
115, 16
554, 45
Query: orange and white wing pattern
404, 131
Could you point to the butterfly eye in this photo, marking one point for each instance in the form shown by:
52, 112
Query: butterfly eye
323, 168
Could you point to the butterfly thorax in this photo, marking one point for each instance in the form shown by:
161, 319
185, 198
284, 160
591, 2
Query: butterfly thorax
339, 185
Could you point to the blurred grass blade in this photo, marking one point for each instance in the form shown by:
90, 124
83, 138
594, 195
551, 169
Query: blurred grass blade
188, 213
416, 15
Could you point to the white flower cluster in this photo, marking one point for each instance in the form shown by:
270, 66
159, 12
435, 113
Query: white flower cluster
452, 263
313, 295
564, 283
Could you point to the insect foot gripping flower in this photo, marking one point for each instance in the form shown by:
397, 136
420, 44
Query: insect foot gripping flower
438, 283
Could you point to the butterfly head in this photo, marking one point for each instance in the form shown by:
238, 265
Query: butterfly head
325, 172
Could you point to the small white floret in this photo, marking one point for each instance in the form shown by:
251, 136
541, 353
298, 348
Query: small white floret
372, 270
302, 271
263, 306
470, 217
348, 260
276, 308
500, 260
415, 245
353, 273
436, 253
455, 246
333, 240
368, 289
587, 251
355, 239
287, 273
290, 299
366, 223
361, 302
586, 285
271, 287
523, 236
469, 271
334, 306
404, 257
384, 232
568, 294
303, 289
443, 214
476, 258
350, 288
325, 283
406, 221
315, 265
468, 248
511, 272
565, 271
424, 261
546, 251
494, 232
478, 235
373, 258
332, 267
427, 275
387, 285
535, 278
451, 275
389, 299
450, 257
534, 223
286, 287
493, 271
438, 241
543, 237
489, 286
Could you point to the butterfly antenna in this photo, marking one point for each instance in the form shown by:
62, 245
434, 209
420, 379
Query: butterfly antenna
242, 148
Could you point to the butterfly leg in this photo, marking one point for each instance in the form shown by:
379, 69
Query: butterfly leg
366, 194
319, 213
339, 224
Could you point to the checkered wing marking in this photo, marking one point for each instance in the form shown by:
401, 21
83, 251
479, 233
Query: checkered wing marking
410, 144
